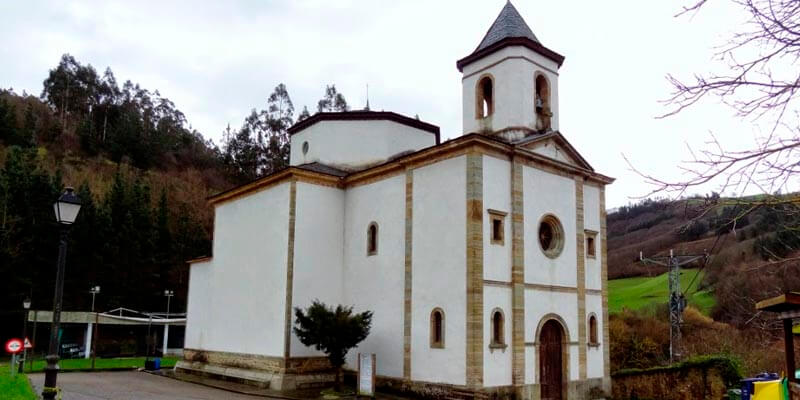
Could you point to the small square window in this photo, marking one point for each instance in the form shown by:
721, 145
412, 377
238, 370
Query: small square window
497, 220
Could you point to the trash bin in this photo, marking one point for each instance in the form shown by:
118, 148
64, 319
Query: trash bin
748, 387
149, 365
157, 364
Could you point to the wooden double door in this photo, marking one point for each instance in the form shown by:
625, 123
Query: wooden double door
551, 361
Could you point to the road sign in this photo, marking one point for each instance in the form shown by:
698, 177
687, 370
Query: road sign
28, 344
14, 346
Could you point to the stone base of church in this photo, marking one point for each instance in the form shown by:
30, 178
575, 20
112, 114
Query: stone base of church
276, 373
595, 388
295, 373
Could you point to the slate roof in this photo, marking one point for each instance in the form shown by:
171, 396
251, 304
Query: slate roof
509, 24
324, 169
509, 29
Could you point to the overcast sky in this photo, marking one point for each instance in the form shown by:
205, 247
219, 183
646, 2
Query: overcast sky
217, 61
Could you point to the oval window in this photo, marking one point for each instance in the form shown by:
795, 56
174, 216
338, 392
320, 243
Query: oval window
551, 236
305, 148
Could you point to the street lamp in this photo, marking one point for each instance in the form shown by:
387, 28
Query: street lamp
94, 291
26, 304
168, 294
66, 209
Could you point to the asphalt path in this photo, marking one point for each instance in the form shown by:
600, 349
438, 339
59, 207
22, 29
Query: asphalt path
132, 385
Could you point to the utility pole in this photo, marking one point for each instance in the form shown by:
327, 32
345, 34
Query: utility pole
677, 302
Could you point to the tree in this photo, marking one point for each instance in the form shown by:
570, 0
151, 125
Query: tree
333, 101
303, 114
333, 332
759, 82
761, 85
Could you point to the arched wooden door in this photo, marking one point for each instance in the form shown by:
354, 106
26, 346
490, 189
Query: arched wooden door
551, 363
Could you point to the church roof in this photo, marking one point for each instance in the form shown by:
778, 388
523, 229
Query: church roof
509, 29
509, 24
365, 115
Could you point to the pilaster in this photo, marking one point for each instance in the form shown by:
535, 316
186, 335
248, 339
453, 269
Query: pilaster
580, 242
407, 276
287, 334
517, 276
474, 336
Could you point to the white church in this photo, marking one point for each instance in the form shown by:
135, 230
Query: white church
482, 257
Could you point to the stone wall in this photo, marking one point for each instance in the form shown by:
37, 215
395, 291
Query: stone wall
794, 389
700, 379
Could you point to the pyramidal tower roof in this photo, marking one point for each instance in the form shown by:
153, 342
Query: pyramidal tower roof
509, 24
509, 29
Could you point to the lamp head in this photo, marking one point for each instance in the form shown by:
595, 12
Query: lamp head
67, 207
26, 303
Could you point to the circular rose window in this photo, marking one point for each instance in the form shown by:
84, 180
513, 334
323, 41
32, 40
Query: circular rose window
551, 236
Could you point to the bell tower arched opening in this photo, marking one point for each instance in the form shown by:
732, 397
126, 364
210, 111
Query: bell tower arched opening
542, 107
484, 97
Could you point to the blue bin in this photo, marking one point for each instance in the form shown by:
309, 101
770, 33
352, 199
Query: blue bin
157, 364
747, 383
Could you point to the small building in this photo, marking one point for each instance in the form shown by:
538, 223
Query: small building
483, 257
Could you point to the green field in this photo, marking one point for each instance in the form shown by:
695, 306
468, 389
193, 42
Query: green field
16, 388
636, 293
101, 363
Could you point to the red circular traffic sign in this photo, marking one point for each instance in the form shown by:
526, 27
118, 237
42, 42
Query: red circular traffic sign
14, 346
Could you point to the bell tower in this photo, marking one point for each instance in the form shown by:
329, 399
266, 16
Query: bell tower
510, 81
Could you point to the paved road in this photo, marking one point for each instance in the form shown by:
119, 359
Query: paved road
132, 386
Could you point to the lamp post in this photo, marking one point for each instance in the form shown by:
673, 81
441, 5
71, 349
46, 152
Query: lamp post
26, 305
66, 210
94, 291
168, 294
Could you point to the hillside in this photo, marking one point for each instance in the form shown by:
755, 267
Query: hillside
640, 292
751, 250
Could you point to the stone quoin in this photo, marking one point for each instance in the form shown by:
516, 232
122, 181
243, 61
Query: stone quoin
504, 224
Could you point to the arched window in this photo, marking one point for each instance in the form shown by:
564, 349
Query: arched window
372, 239
593, 329
498, 332
484, 98
542, 103
437, 328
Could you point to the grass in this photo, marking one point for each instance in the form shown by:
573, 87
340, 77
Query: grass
640, 292
16, 388
101, 363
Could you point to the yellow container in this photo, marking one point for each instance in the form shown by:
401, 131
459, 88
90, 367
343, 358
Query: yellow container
768, 390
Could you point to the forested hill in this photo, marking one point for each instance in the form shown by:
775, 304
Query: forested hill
143, 174
753, 249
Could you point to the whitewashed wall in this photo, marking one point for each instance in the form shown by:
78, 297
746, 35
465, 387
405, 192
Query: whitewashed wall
546, 193
594, 354
318, 250
439, 274
247, 288
353, 144
539, 303
496, 362
513, 69
198, 303
496, 196
377, 282
591, 221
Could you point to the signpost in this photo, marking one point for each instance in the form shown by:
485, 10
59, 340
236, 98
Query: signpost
14, 347
366, 375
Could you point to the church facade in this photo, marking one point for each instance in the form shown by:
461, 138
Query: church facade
482, 257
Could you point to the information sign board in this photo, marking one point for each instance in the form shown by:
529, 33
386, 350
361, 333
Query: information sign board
366, 375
